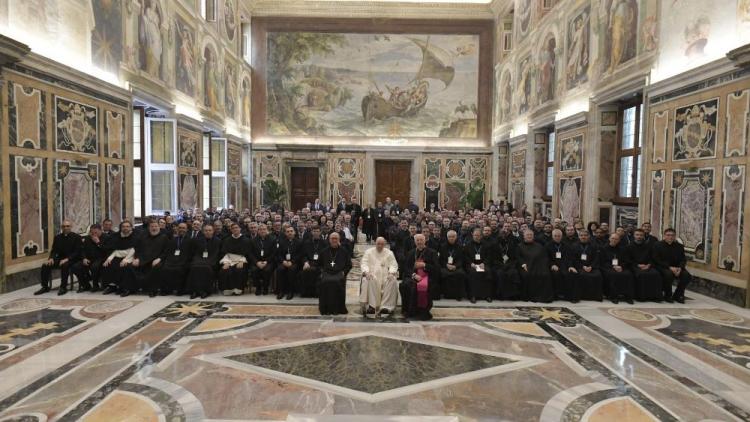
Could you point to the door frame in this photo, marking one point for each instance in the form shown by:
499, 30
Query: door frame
291, 180
413, 184
286, 177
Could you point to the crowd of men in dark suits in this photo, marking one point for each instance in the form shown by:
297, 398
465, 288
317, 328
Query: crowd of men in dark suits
496, 253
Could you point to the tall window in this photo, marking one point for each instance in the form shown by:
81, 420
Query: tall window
218, 172
161, 174
208, 10
629, 153
550, 169
138, 169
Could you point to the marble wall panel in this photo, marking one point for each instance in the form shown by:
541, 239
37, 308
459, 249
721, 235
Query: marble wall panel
692, 204
114, 134
732, 212
625, 216
517, 194
661, 132
540, 168
607, 165
76, 195
28, 207
346, 176
735, 137
26, 115
570, 198
189, 191
695, 128
188, 147
76, 127
502, 171
571, 153
518, 164
432, 181
656, 213
115, 193
234, 160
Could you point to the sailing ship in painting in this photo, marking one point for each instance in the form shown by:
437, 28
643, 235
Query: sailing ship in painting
372, 85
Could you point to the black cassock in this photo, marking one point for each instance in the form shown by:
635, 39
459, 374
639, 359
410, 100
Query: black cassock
665, 256
147, 249
113, 274
410, 306
234, 277
452, 283
536, 280
309, 278
481, 284
585, 285
334, 266
370, 223
204, 261
504, 267
648, 283
95, 253
559, 255
619, 284
171, 273
263, 250
286, 277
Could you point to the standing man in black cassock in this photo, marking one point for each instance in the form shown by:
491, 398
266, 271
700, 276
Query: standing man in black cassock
585, 278
235, 262
504, 267
170, 275
669, 256
422, 272
614, 262
66, 250
648, 281
310, 274
452, 274
263, 260
370, 223
534, 269
335, 263
288, 257
150, 251
88, 269
204, 261
558, 254
477, 261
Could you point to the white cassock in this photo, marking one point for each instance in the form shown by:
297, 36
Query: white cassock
380, 289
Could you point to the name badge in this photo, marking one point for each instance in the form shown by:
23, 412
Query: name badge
380, 215
369, 217
262, 252
177, 252
315, 257
205, 254
615, 262
450, 260
477, 257
584, 257
558, 255
288, 257
277, 246
505, 258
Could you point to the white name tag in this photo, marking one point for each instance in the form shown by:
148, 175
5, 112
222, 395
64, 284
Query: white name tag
315, 257
380, 215
262, 252
584, 257
177, 252
615, 262
369, 217
288, 257
480, 269
558, 255
477, 257
205, 254
450, 260
505, 258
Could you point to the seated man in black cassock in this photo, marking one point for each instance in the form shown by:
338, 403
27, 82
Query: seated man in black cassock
204, 262
648, 281
558, 254
584, 276
534, 269
263, 260
504, 267
669, 256
234, 262
66, 250
88, 269
310, 274
477, 261
452, 274
121, 249
422, 271
170, 274
288, 257
150, 251
614, 263
335, 263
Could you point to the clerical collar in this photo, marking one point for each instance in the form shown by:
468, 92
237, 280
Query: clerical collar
238, 236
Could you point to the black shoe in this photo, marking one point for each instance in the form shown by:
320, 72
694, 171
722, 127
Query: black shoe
385, 311
370, 310
61, 291
680, 299
473, 300
204, 295
193, 295
163, 293
615, 301
95, 288
265, 291
290, 296
574, 301
83, 288
258, 291
41, 291
279, 296
152, 294
489, 300
125, 293
458, 299
669, 300
109, 289
630, 301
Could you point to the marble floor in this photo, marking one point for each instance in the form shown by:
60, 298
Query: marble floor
100, 358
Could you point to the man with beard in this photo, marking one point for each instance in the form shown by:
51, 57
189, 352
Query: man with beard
648, 281
379, 289
335, 263
534, 269
310, 275
669, 256
150, 251
614, 262
235, 252
121, 248
584, 277
204, 254
504, 267
435, 240
263, 260
571, 236
170, 275
452, 274
477, 260
422, 270
66, 250
288, 256
648, 237
88, 269
559, 257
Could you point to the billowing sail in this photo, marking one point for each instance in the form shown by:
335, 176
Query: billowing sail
436, 63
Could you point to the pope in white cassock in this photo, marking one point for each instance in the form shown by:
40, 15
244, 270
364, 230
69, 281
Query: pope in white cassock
378, 292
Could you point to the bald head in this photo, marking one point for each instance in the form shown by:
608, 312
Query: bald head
419, 241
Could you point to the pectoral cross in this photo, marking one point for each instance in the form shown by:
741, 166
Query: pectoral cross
333, 264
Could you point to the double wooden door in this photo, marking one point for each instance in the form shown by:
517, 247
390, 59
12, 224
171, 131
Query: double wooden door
304, 187
393, 179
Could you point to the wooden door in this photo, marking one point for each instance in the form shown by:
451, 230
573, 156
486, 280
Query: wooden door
393, 179
304, 186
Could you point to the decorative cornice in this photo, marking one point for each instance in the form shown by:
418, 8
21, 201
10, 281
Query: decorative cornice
690, 77
569, 122
11, 51
369, 9
740, 56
